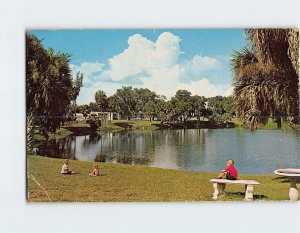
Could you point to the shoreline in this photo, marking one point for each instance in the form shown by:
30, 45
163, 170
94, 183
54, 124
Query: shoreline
81, 128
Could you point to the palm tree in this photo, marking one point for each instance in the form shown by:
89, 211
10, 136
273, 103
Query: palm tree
265, 77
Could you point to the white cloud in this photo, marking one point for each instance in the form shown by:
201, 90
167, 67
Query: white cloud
163, 80
156, 65
89, 69
144, 56
203, 87
87, 94
199, 64
229, 91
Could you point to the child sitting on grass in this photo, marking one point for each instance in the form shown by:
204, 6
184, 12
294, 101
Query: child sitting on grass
96, 171
65, 169
230, 173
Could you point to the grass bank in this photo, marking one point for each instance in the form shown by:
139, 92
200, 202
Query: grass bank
121, 182
60, 133
270, 125
117, 125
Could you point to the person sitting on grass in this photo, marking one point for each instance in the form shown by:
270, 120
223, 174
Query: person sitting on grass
65, 170
96, 171
229, 173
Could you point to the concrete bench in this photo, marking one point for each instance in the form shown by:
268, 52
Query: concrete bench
219, 186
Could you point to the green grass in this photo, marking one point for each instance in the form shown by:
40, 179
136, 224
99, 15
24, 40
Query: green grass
116, 125
130, 183
78, 124
60, 133
270, 125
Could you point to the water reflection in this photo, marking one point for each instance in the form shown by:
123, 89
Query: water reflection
188, 149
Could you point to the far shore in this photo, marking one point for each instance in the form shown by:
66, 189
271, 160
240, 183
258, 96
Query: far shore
134, 183
83, 128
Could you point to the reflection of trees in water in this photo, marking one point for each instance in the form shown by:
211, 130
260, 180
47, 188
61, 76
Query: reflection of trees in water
190, 144
94, 137
58, 148
133, 160
126, 147
165, 148
100, 158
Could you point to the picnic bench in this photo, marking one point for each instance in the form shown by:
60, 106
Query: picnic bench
220, 184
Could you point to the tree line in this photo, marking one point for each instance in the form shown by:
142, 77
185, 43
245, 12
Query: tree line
143, 103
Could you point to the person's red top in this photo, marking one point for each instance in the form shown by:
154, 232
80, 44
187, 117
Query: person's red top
232, 171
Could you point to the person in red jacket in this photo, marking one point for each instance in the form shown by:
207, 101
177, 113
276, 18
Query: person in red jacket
229, 173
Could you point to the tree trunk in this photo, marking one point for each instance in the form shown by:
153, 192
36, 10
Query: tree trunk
75, 110
278, 121
29, 133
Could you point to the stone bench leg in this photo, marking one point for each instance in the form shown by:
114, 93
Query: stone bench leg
293, 193
249, 192
218, 189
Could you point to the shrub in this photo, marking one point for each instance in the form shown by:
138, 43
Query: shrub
94, 122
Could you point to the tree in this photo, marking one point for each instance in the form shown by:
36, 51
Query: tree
182, 105
48, 88
101, 100
77, 84
124, 102
150, 109
94, 122
93, 107
142, 96
198, 109
164, 109
266, 76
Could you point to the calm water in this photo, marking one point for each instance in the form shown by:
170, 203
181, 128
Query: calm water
186, 149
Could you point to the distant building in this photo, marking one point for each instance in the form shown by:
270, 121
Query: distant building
79, 117
107, 115
103, 115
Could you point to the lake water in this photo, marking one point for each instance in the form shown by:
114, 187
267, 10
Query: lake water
258, 152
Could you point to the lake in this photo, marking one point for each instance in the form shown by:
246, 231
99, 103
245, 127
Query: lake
258, 152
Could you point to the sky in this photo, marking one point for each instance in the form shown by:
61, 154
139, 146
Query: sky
161, 60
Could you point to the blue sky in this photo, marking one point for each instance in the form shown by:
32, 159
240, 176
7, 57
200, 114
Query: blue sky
162, 60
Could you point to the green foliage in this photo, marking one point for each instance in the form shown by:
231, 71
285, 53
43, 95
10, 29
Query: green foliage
266, 78
93, 107
94, 121
182, 105
199, 109
221, 108
143, 96
101, 101
77, 84
124, 102
48, 87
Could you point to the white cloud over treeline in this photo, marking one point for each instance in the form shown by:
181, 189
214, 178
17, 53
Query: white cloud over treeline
152, 64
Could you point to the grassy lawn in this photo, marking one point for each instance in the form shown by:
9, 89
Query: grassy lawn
270, 125
121, 182
117, 125
129, 125
60, 133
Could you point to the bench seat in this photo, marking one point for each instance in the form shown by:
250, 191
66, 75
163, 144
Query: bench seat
219, 187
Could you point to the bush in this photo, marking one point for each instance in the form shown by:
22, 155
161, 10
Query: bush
94, 122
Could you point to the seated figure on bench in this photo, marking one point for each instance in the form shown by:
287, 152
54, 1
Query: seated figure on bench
229, 173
